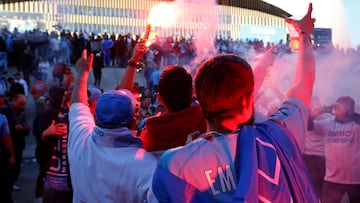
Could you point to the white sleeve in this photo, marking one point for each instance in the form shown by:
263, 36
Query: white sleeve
81, 124
321, 127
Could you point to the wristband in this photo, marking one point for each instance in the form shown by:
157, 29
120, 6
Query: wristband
138, 65
133, 63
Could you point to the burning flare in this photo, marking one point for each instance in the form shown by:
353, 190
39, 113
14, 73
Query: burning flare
162, 15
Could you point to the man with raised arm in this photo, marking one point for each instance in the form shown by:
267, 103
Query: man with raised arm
238, 161
107, 162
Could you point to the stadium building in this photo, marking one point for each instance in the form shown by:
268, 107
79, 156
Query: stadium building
236, 19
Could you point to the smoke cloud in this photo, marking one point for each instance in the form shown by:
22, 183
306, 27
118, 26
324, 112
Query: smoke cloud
336, 75
203, 38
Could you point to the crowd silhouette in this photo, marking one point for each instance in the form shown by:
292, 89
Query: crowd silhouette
197, 131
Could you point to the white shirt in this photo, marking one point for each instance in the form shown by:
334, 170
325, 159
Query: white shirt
315, 141
342, 154
101, 170
43, 66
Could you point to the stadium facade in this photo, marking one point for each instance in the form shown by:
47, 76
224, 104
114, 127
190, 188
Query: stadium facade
237, 19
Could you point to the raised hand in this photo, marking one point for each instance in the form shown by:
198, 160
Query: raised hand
139, 51
302, 86
267, 59
262, 63
84, 64
305, 25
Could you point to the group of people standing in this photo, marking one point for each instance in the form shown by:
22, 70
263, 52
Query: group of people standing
14, 129
50, 108
201, 149
205, 146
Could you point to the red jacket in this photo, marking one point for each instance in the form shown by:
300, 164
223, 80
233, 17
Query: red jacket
171, 130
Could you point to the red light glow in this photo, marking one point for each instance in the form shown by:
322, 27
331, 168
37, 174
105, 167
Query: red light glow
162, 15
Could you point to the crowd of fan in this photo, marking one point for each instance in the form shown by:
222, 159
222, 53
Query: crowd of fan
36, 52
41, 51
220, 116
66, 46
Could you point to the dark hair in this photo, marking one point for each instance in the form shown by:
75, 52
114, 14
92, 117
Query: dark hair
175, 88
10, 79
56, 95
144, 97
221, 84
349, 104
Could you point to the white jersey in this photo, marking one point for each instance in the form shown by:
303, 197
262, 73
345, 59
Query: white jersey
105, 165
342, 154
314, 144
315, 141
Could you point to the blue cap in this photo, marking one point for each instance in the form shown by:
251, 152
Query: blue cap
115, 109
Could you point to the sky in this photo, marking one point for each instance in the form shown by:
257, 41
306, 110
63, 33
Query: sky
340, 15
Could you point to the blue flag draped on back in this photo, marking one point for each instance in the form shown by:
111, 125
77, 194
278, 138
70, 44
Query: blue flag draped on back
270, 166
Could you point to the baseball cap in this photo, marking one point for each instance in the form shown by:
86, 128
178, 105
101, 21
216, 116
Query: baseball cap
115, 109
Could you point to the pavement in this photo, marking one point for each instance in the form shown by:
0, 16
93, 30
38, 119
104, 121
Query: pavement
29, 170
